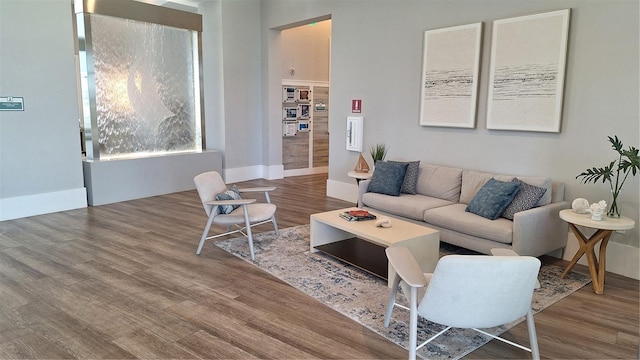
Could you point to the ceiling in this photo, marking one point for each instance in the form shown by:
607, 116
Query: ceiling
188, 5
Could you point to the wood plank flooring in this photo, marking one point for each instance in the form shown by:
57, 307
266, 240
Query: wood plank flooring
123, 281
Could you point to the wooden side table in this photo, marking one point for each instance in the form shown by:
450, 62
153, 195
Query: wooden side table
360, 175
605, 228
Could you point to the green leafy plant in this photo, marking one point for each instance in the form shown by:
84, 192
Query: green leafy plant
378, 152
616, 173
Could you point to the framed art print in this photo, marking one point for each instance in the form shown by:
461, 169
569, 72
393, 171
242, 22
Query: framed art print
450, 68
526, 78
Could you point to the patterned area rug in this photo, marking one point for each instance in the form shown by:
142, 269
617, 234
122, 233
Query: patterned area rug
363, 297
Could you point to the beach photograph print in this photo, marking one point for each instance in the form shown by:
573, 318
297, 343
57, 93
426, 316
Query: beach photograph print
451, 62
526, 78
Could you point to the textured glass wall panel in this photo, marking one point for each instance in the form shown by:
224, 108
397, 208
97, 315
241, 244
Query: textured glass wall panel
145, 87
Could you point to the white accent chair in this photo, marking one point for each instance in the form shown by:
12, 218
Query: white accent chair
509, 252
247, 214
466, 291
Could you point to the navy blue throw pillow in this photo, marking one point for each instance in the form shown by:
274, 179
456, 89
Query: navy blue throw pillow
493, 198
387, 178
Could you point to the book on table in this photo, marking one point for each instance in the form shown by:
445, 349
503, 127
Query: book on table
357, 215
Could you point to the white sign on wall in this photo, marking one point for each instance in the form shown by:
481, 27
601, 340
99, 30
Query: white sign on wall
354, 133
11, 103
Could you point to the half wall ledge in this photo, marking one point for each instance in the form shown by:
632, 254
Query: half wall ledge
110, 181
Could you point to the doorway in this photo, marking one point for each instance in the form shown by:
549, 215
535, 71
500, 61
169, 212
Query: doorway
305, 98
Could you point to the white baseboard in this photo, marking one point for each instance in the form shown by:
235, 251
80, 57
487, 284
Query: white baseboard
242, 174
342, 191
234, 175
621, 259
31, 205
273, 172
307, 171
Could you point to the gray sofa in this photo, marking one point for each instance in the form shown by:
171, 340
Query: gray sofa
442, 195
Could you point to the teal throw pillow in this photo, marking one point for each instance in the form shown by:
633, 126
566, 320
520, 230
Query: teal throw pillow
410, 182
493, 198
387, 178
526, 198
231, 194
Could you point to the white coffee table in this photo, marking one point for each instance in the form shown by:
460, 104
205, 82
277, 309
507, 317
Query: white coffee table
362, 244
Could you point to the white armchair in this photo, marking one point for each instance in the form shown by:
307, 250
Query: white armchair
466, 291
247, 214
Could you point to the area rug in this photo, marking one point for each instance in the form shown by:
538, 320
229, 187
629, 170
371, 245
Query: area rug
363, 297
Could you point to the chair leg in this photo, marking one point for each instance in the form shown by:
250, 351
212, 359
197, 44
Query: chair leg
413, 324
248, 228
273, 218
533, 337
205, 232
392, 300
275, 225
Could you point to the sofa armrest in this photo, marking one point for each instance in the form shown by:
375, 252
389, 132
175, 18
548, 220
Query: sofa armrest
362, 189
540, 230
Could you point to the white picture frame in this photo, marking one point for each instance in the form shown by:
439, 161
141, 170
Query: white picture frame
289, 113
526, 76
289, 128
304, 111
303, 94
289, 94
450, 72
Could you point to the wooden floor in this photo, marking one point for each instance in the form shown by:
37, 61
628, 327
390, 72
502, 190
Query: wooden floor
123, 281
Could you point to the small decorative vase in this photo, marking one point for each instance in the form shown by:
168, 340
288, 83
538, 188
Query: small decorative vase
614, 211
361, 165
597, 209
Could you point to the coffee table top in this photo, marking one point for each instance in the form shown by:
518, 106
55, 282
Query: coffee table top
399, 231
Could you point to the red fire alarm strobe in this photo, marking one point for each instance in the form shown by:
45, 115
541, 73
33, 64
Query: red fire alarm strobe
356, 106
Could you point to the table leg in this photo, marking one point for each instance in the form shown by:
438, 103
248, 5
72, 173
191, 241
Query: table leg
602, 259
582, 242
587, 246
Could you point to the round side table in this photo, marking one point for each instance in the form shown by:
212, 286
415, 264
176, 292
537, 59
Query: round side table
604, 229
360, 175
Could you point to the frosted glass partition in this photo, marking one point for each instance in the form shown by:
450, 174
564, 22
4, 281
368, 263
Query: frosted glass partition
141, 88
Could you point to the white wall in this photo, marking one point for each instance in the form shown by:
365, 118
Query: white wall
306, 49
376, 56
40, 157
233, 94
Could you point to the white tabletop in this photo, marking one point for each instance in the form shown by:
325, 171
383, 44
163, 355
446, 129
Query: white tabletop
607, 223
399, 231
360, 175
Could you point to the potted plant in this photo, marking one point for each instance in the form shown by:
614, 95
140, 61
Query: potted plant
378, 152
616, 173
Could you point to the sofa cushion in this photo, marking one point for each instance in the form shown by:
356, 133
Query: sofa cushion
409, 206
439, 182
526, 198
472, 181
493, 198
387, 178
454, 217
410, 177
